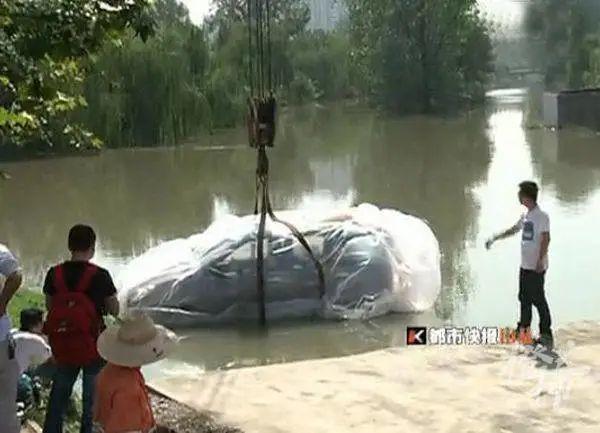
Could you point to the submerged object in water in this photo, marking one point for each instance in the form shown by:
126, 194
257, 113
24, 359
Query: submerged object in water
376, 261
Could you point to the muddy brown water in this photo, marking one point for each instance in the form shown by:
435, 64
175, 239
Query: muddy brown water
458, 173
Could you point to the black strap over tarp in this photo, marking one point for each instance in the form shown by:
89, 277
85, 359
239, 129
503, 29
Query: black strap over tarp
261, 121
262, 193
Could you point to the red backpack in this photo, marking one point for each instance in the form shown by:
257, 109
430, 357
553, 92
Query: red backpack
73, 323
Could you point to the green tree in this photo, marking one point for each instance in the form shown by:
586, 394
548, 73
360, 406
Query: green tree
153, 93
421, 55
322, 58
568, 31
230, 27
61, 92
44, 47
306, 65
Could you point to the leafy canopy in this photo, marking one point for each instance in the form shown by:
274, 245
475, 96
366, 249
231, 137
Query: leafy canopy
45, 48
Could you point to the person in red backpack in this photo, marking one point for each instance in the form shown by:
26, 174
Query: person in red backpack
78, 296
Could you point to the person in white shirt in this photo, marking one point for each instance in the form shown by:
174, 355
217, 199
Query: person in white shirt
534, 226
31, 349
10, 281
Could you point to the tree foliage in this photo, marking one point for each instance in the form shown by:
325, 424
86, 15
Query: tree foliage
76, 73
43, 49
569, 31
131, 75
146, 94
421, 55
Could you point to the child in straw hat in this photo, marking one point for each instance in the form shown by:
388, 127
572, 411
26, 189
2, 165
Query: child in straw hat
122, 404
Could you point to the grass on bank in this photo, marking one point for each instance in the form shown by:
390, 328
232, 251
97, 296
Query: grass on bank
24, 299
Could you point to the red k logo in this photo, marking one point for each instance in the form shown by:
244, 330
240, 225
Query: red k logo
416, 335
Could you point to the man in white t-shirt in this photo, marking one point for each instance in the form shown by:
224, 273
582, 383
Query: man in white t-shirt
534, 226
10, 281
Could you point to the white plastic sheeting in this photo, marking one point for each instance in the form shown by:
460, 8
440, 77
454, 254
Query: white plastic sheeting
375, 260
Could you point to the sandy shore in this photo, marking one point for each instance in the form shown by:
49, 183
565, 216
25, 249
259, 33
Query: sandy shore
466, 389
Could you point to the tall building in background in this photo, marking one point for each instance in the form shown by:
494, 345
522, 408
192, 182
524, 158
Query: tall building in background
325, 14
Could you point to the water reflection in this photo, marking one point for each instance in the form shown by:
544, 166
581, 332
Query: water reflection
285, 342
132, 198
567, 161
427, 167
325, 156
460, 174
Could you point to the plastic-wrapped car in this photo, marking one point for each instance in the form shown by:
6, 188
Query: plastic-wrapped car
375, 261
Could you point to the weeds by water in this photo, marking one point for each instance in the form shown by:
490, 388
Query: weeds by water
24, 299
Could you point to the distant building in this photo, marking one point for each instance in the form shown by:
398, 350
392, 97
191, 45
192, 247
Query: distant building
325, 14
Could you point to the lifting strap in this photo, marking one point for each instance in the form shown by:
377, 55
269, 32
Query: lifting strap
261, 120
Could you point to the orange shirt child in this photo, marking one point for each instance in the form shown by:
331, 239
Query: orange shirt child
121, 402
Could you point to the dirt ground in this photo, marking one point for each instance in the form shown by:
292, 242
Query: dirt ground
171, 414
183, 419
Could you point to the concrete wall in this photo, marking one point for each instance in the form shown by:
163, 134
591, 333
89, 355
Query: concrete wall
580, 108
575, 108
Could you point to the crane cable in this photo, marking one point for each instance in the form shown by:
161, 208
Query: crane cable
261, 134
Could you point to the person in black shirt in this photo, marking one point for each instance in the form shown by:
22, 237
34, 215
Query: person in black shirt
101, 291
96, 283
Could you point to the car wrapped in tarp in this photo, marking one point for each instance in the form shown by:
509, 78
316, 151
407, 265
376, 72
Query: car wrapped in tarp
375, 261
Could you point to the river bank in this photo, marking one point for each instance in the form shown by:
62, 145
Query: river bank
167, 412
418, 389
183, 419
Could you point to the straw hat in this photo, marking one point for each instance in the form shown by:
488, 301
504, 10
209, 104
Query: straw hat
136, 341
